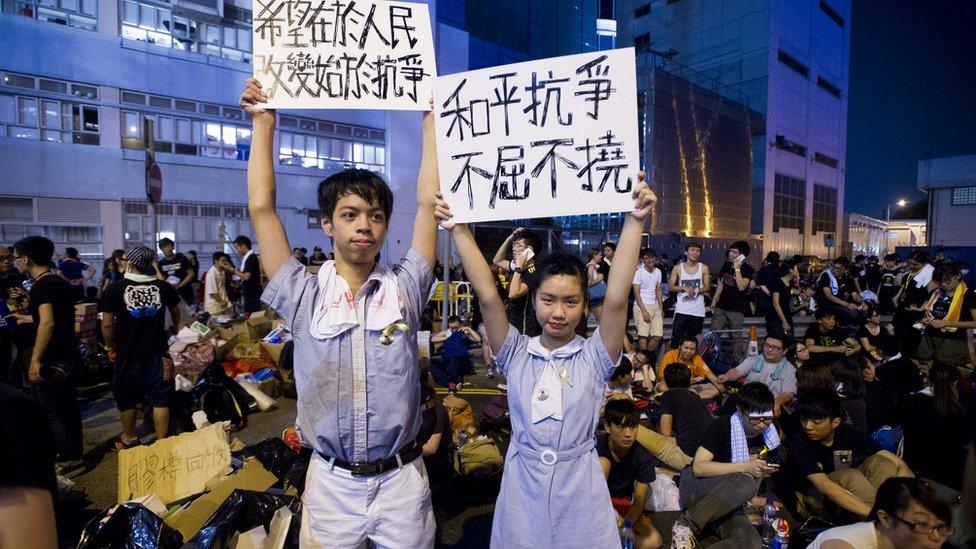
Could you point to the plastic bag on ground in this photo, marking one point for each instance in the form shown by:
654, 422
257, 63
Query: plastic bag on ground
273, 454
242, 511
129, 525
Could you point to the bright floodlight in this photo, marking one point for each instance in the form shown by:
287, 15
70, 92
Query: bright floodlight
902, 202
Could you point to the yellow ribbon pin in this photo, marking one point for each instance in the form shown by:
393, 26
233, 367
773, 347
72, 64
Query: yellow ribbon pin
386, 338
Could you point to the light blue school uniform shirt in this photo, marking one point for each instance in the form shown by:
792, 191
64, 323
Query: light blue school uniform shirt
554, 493
358, 400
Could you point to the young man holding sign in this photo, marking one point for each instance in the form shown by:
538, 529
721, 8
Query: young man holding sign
355, 329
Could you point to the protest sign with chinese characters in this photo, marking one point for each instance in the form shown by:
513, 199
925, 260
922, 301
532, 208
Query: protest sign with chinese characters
175, 467
350, 54
539, 139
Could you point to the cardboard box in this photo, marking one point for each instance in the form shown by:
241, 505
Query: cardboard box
273, 350
225, 346
258, 326
190, 519
237, 328
86, 309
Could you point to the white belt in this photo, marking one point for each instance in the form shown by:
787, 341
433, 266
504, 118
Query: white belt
548, 456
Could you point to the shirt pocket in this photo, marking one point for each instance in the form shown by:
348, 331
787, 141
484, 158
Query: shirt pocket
396, 357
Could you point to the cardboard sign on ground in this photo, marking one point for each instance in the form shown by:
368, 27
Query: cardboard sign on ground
175, 467
189, 520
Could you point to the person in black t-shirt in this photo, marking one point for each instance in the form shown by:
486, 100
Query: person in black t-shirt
876, 339
826, 342
28, 485
736, 452
434, 436
835, 468
628, 468
525, 247
176, 270
133, 326
730, 296
836, 292
950, 314
249, 273
55, 354
684, 414
779, 315
299, 255
888, 285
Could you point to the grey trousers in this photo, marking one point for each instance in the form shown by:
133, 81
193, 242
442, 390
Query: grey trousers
716, 503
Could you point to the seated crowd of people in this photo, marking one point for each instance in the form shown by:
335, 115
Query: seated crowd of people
853, 421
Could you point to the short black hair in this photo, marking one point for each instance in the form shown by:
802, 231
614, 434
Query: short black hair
36, 248
624, 369
648, 252
818, 404
610, 244
772, 257
785, 267
690, 245
824, 312
755, 398
642, 352
920, 256
842, 262
688, 338
217, 255
454, 318
677, 375
858, 258
561, 264
893, 257
192, 252
242, 240
71, 252
621, 412
363, 183
742, 246
531, 239
165, 241
895, 496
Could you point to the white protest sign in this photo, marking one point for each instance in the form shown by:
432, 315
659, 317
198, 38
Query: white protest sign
349, 54
538, 139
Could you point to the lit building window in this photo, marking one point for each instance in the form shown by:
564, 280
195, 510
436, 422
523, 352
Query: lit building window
82, 14
155, 24
963, 196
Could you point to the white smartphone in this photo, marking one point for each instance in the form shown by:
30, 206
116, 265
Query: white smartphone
529, 254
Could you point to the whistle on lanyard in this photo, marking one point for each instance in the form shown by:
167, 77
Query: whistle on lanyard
386, 338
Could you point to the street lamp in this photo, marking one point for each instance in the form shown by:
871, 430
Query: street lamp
901, 203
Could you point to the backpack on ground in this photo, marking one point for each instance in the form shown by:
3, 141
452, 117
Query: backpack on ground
220, 404
479, 457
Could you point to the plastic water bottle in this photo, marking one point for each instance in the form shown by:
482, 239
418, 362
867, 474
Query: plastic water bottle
770, 516
627, 539
782, 539
462, 438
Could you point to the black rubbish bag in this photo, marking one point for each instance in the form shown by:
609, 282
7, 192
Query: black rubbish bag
131, 526
242, 511
299, 470
273, 454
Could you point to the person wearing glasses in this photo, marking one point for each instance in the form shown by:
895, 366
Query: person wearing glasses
772, 369
735, 454
835, 468
907, 514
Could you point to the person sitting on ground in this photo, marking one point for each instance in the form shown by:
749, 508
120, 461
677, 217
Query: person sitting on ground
798, 354
949, 314
703, 381
620, 380
836, 469
935, 428
435, 435
877, 340
882, 399
456, 360
771, 369
628, 468
215, 298
684, 420
907, 514
736, 452
643, 366
830, 294
826, 341
849, 383
805, 303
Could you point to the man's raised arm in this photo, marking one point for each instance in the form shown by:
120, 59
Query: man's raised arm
428, 183
261, 189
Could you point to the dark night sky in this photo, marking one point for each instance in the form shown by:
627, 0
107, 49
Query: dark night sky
912, 91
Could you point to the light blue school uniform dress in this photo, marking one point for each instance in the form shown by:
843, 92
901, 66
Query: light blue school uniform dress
553, 490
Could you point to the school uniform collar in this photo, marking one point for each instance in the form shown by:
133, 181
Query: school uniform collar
535, 348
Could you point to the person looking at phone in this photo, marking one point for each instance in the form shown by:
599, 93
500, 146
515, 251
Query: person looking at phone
736, 452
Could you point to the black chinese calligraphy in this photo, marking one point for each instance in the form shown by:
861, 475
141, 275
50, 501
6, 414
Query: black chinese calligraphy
353, 51
517, 132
